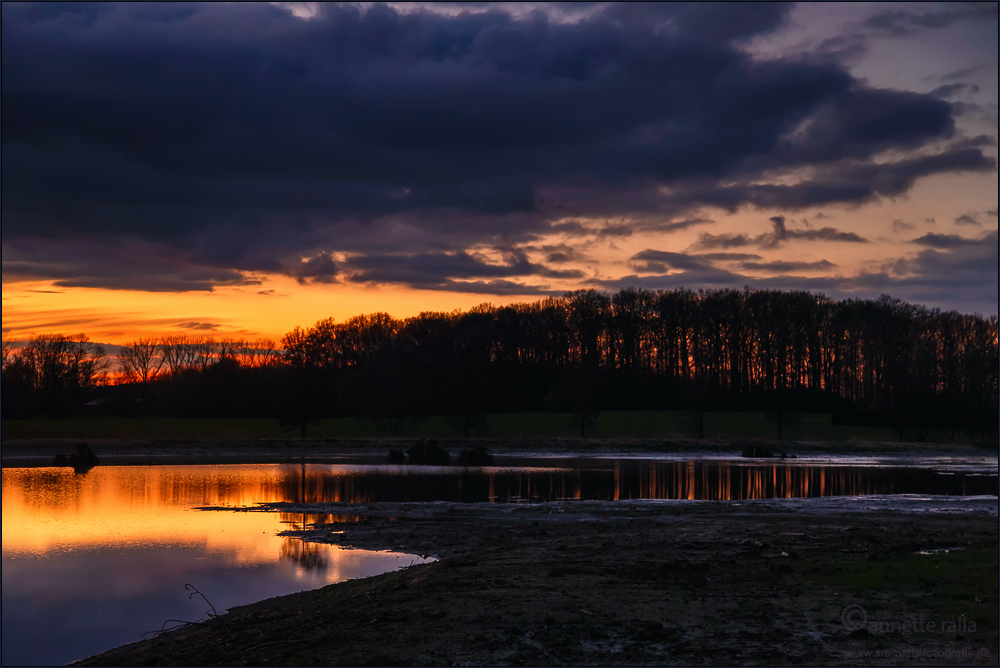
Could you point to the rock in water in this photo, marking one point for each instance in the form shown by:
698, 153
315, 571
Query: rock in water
396, 456
83, 458
427, 451
479, 456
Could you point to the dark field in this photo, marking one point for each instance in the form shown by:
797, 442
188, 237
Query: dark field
609, 424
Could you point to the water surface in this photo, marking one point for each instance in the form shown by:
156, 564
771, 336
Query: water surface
539, 480
92, 561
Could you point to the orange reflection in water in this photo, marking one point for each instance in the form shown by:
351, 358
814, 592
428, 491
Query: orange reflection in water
726, 481
55, 510
92, 561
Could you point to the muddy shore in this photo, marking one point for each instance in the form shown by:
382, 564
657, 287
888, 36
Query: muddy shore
629, 583
125, 452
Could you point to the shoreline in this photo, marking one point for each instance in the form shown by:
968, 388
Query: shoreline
134, 452
620, 583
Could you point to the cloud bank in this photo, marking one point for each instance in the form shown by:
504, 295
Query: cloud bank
188, 146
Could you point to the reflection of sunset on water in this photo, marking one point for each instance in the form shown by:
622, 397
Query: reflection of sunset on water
711, 480
54, 510
729, 481
92, 561
50, 507
46, 508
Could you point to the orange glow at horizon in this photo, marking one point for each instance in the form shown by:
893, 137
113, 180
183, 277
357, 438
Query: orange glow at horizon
270, 310
278, 303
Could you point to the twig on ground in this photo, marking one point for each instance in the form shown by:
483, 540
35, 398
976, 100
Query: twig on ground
182, 623
194, 590
164, 630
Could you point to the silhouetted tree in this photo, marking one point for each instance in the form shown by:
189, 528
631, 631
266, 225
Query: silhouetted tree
52, 374
782, 352
140, 361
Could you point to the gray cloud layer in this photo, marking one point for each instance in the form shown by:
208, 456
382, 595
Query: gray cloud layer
777, 237
947, 266
183, 146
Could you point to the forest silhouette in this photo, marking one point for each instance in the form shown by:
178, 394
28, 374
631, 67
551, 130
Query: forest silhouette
868, 361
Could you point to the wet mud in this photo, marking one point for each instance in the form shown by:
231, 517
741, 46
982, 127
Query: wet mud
124, 452
795, 582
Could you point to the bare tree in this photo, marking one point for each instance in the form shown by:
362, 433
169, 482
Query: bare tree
60, 366
8, 349
180, 353
206, 351
89, 361
227, 348
267, 352
140, 361
62, 361
255, 354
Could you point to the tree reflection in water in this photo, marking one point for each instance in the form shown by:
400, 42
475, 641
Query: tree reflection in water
610, 480
308, 555
311, 556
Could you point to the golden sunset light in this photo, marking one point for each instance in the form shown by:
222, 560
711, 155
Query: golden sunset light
489, 333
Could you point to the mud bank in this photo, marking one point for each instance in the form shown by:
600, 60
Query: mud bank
123, 452
630, 583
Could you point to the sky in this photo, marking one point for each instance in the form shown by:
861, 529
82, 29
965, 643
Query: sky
241, 169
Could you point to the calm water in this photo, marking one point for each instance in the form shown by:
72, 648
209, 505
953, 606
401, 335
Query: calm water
525, 480
91, 561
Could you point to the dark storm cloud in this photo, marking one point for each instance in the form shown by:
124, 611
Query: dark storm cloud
707, 277
825, 234
441, 271
945, 273
240, 138
627, 228
902, 23
652, 261
950, 90
560, 253
901, 225
781, 234
706, 240
728, 257
119, 266
958, 74
665, 227
782, 267
572, 228
852, 181
949, 274
968, 219
615, 230
655, 261
318, 269
777, 237
944, 241
200, 326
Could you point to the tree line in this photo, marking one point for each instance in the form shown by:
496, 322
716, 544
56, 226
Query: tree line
882, 360
59, 375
